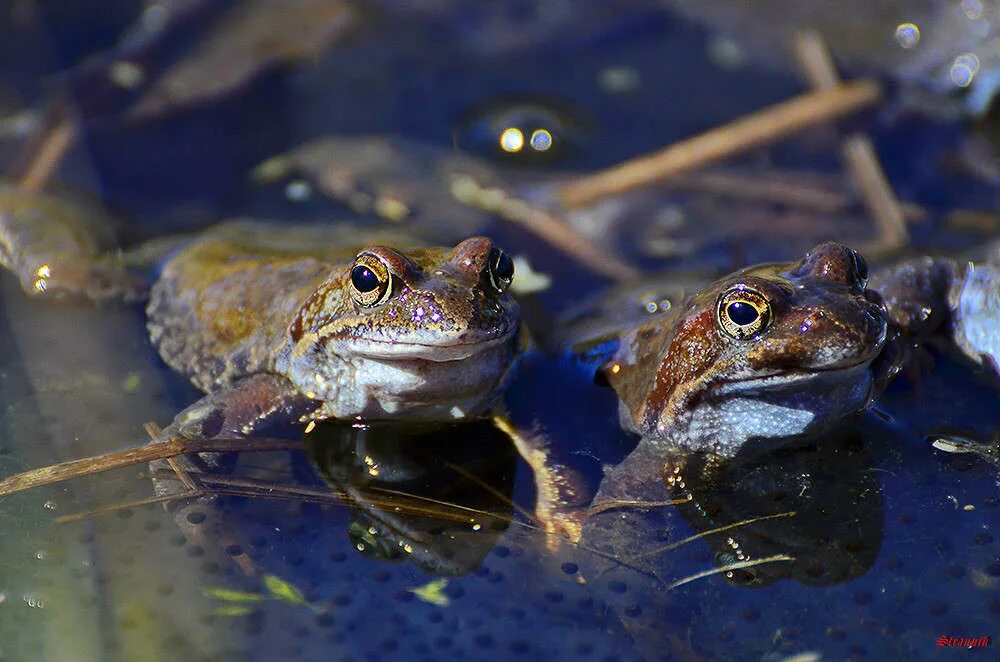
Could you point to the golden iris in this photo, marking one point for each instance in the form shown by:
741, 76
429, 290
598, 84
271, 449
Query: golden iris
743, 312
371, 280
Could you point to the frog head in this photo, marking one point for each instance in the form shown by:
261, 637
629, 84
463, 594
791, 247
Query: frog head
425, 333
769, 352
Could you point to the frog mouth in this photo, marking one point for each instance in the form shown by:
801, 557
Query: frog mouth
440, 353
783, 378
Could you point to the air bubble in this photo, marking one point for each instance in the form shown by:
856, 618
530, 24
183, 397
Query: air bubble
298, 191
512, 140
973, 9
34, 600
964, 69
907, 35
541, 140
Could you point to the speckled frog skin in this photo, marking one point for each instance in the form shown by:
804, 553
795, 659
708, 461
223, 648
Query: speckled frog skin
282, 323
435, 343
767, 355
774, 350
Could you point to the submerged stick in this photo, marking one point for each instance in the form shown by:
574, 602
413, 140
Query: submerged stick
783, 187
107, 510
857, 150
743, 134
50, 154
159, 450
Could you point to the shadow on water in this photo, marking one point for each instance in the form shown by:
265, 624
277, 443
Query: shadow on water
439, 497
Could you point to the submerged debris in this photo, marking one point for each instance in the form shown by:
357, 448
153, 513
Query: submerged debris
248, 40
936, 47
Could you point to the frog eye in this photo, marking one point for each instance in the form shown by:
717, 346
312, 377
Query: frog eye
371, 280
501, 270
743, 312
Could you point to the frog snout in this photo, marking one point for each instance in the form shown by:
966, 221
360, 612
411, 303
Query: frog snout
843, 339
823, 338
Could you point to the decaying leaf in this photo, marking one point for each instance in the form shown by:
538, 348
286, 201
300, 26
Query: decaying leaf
282, 590
248, 40
230, 595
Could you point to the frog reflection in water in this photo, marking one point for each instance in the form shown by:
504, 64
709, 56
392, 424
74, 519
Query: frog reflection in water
766, 356
280, 324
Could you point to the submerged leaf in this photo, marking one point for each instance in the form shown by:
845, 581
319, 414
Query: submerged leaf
248, 40
230, 595
433, 592
132, 382
233, 610
283, 590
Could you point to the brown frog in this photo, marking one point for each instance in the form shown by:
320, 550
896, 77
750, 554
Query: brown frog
425, 333
768, 355
280, 323
772, 351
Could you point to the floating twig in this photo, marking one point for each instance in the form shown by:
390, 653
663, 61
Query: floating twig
155, 432
704, 534
160, 450
754, 130
857, 150
788, 188
727, 568
552, 229
615, 504
494, 491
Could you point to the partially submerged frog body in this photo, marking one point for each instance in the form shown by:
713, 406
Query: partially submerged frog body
767, 356
942, 299
770, 351
425, 333
280, 324
63, 248
953, 303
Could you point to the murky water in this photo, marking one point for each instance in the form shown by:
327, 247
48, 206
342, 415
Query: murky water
419, 543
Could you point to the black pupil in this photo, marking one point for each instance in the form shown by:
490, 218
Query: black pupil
504, 267
742, 313
363, 279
